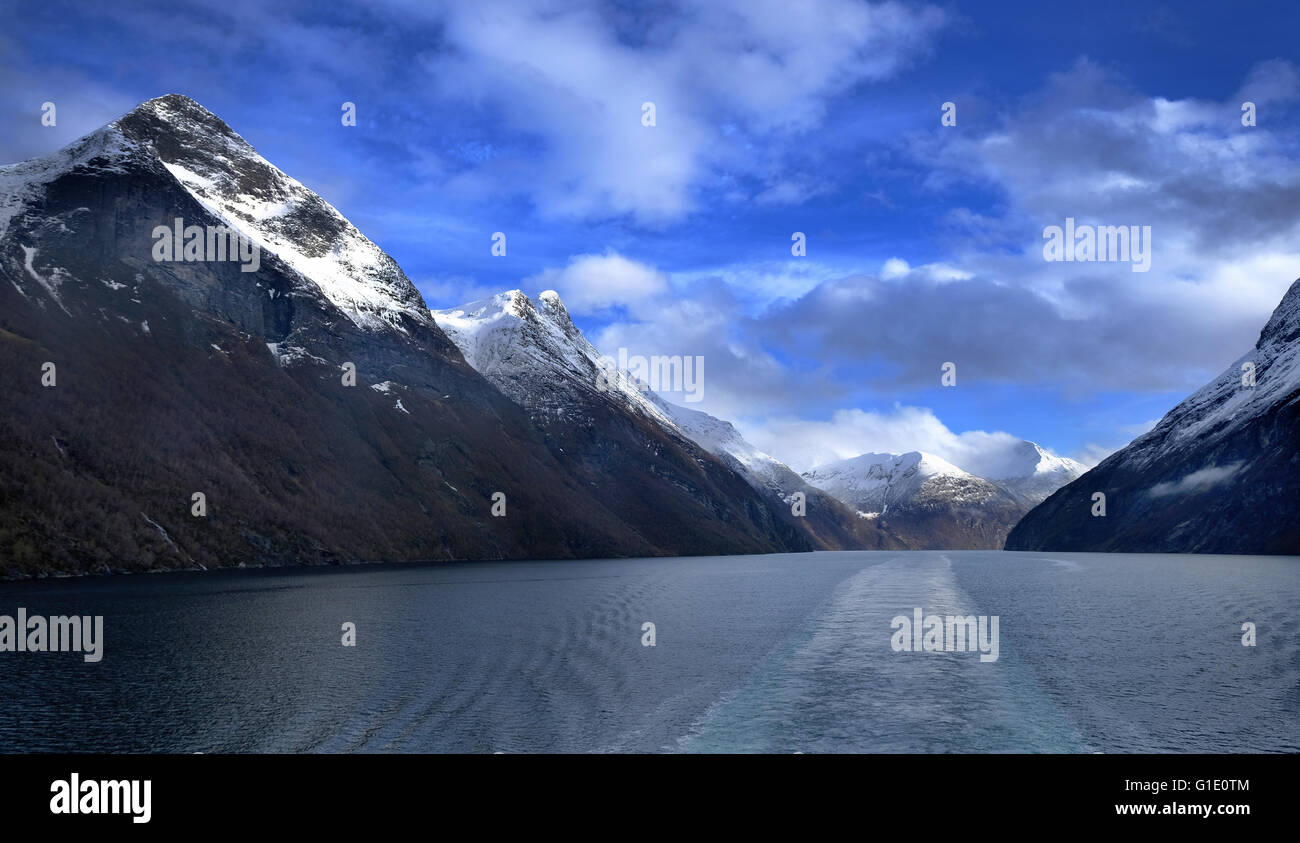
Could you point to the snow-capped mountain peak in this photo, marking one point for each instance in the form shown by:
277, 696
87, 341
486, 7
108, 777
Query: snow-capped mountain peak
223, 172
1020, 461
872, 481
1025, 469
549, 301
533, 350
932, 502
536, 355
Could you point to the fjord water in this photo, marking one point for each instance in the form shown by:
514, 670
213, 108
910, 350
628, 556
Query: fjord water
780, 653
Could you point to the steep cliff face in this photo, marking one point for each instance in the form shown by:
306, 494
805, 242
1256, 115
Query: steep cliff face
179, 377
1220, 473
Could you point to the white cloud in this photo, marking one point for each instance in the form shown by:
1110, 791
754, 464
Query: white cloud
1223, 201
1197, 481
592, 283
894, 268
721, 75
804, 444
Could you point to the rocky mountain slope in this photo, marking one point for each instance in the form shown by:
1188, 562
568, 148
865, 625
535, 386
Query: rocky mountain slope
174, 378
1220, 473
534, 353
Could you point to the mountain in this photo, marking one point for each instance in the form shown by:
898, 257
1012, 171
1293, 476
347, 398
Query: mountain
925, 500
1220, 473
601, 416
832, 524
1025, 470
932, 504
174, 378
536, 356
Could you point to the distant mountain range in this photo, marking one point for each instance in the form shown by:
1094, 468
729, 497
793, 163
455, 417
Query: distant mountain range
931, 503
1220, 473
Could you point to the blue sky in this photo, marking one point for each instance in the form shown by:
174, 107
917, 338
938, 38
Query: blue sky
924, 241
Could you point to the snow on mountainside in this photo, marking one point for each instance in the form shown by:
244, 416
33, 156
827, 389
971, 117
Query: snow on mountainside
873, 482
1218, 474
1021, 460
538, 357
721, 437
1225, 405
932, 503
1027, 471
244, 190
601, 418
535, 355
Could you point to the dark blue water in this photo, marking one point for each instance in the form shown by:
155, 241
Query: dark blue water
783, 653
